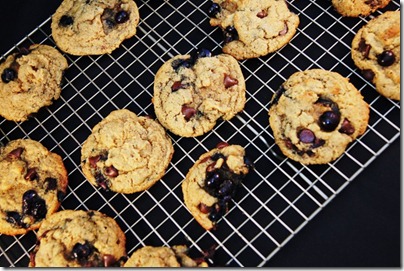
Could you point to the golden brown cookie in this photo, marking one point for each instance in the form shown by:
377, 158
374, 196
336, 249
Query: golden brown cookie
126, 153
376, 52
356, 8
30, 80
253, 28
33, 183
76, 238
212, 182
315, 114
191, 93
93, 27
149, 256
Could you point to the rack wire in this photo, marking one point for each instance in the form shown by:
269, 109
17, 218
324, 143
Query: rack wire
276, 201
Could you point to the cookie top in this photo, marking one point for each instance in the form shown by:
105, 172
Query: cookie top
356, 8
33, 182
150, 256
126, 153
376, 52
76, 238
315, 114
253, 28
212, 182
30, 80
93, 27
191, 93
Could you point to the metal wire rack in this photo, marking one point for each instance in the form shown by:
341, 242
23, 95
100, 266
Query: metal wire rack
277, 200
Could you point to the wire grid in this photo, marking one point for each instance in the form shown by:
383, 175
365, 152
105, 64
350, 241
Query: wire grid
276, 200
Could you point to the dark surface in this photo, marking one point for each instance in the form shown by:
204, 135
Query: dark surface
359, 228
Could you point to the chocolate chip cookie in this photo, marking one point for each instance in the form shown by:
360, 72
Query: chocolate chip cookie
150, 256
356, 8
192, 92
93, 27
30, 80
126, 153
315, 114
33, 183
253, 28
212, 183
376, 52
76, 238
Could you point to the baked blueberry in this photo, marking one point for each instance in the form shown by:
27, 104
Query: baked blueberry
386, 58
121, 17
8, 75
230, 34
213, 10
329, 120
66, 20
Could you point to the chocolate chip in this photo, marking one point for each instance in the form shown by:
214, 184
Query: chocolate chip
229, 81
108, 260
16, 153
111, 171
284, 30
364, 48
188, 112
211, 167
368, 74
346, 127
204, 208
93, 161
262, 14
318, 143
221, 145
306, 136
177, 85
31, 175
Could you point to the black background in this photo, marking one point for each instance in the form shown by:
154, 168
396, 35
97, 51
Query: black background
361, 227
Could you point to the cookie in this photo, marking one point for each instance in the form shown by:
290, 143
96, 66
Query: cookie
212, 182
356, 8
315, 114
192, 92
126, 153
376, 52
253, 28
33, 183
93, 27
150, 256
76, 238
30, 80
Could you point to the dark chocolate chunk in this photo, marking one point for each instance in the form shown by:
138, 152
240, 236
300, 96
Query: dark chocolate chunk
16, 153
31, 175
364, 48
188, 112
229, 81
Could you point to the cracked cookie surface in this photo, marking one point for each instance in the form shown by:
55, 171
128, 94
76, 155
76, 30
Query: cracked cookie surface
376, 52
315, 114
213, 181
93, 27
77, 238
356, 8
253, 28
30, 80
126, 153
33, 182
191, 93
150, 256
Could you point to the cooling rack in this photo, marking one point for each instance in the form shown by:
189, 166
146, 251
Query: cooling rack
276, 201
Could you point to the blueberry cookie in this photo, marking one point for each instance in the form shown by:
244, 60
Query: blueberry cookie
76, 238
33, 182
93, 27
356, 8
315, 114
30, 80
213, 181
150, 256
253, 28
126, 153
376, 52
192, 92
